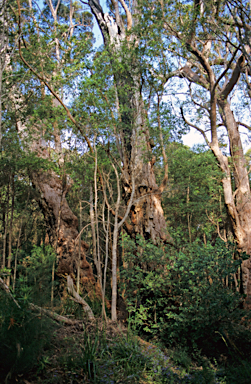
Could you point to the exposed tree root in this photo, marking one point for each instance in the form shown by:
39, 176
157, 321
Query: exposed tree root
78, 298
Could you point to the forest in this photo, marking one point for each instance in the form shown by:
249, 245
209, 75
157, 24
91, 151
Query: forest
125, 255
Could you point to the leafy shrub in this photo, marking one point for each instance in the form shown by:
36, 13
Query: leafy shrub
22, 338
35, 275
182, 296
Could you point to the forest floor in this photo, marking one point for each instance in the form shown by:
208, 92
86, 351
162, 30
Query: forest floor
111, 354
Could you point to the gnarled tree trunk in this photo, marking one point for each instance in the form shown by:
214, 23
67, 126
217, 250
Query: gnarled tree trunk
61, 223
62, 226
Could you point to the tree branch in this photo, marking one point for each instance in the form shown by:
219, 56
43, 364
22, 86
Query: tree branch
225, 71
234, 78
190, 75
36, 308
194, 126
78, 298
7, 290
54, 315
128, 14
244, 125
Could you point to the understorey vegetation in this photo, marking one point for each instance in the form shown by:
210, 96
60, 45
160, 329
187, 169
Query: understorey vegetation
125, 255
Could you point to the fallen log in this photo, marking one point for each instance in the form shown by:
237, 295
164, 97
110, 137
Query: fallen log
54, 315
51, 314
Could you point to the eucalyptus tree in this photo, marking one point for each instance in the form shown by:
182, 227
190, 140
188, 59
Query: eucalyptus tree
205, 41
50, 42
132, 127
241, 19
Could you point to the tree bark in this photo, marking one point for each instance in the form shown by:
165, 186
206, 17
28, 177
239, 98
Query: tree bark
239, 202
61, 223
62, 226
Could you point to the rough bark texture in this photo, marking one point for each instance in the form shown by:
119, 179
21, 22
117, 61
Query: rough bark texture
147, 216
61, 223
62, 226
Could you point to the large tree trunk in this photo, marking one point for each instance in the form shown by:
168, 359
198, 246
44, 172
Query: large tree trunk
238, 202
62, 226
61, 223
147, 216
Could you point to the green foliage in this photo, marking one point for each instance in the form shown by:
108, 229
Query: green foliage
102, 360
92, 345
238, 372
124, 360
35, 275
23, 335
194, 202
182, 296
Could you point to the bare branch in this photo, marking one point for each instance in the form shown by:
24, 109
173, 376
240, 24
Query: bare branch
244, 125
234, 78
194, 126
54, 315
128, 14
7, 290
225, 71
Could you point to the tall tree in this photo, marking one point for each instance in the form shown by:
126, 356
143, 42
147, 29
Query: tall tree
206, 39
53, 46
132, 131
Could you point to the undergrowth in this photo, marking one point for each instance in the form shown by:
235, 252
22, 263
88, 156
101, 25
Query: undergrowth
194, 325
107, 354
